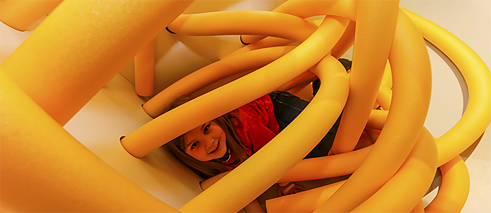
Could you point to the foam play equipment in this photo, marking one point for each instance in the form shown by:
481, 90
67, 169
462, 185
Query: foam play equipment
48, 79
145, 70
21, 14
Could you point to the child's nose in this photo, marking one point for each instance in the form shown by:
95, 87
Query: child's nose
209, 142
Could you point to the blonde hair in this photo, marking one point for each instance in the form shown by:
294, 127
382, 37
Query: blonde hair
207, 169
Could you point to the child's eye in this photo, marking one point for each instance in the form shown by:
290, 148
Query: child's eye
194, 145
207, 128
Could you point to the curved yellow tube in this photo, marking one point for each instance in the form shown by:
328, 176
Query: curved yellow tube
377, 119
62, 73
184, 118
309, 8
306, 201
250, 179
419, 208
264, 43
343, 45
45, 169
384, 97
387, 78
477, 115
211, 73
244, 22
406, 188
145, 71
411, 95
454, 188
338, 50
302, 80
346, 41
21, 14
373, 32
326, 167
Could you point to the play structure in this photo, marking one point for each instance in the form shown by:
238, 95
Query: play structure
73, 63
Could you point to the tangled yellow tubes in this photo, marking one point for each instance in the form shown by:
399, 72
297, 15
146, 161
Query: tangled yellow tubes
42, 89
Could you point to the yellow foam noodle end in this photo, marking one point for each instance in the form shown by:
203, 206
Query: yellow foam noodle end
477, 76
145, 70
373, 32
81, 46
211, 73
21, 14
454, 188
45, 169
410, 102
231, 96
259, 172
406, 188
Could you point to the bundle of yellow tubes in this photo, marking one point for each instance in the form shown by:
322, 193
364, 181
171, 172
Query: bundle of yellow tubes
45, 82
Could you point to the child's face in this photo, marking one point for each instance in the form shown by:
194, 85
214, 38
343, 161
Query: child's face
206, 142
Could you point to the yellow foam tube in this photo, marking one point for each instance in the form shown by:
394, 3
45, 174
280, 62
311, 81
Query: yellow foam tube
377, 119
306, 201
419, 208
309, 8
420, 167
411, 96
338, 50
264, 43
387, 78
243, 22
231, 96
302, 81
259, 172
326, 167
477, 115
365, 141
247, 39
145, 71
454, 188
373, 38
62, 73
384, 95
21, 14
406, 188
346, 41
45, 169
211, 73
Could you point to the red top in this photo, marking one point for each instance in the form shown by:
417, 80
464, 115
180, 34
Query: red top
257, 124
